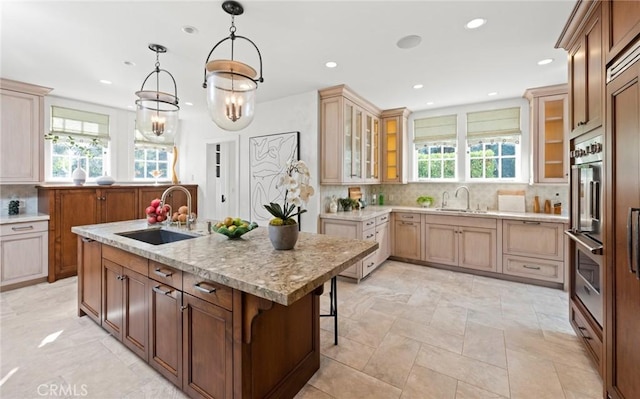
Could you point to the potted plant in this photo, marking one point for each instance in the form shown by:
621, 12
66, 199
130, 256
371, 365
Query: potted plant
283, 229
425, 201
347, 204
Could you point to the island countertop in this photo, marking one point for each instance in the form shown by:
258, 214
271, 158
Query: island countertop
249, 264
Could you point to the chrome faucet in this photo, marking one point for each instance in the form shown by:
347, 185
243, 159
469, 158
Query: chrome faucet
445, 195
467, 190
190, 219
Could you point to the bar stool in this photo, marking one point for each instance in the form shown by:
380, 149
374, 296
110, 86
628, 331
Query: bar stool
333, 308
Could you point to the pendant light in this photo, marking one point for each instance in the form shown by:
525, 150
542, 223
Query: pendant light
231, 85
156, 111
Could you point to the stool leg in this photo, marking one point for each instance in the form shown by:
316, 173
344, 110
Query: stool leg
334, 295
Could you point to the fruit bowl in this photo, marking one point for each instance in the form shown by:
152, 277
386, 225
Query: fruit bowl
236, 229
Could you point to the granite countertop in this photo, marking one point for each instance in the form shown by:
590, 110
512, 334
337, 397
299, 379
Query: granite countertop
249, 264
23, 218
375, 211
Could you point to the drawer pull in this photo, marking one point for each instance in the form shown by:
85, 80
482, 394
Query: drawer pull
528, 222
382, 219
370, 223
160, 291
85, 239
531, 267
23, 228
407, 216
200, 288
162, 274
369, 236
370, 265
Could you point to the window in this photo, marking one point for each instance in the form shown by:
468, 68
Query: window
78, 139
151, 160
493, 138
435, 147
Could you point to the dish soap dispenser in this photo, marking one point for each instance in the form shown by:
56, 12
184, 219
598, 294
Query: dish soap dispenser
557, 205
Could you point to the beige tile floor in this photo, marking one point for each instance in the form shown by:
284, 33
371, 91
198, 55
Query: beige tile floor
407, 331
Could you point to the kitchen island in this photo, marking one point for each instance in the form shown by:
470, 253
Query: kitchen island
219, 318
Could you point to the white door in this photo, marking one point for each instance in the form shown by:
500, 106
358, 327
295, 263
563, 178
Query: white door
222, 180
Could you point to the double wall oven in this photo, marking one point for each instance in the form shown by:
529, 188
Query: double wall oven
586, 217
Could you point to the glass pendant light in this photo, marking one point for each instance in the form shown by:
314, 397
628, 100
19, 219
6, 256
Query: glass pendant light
156, 111
231, 85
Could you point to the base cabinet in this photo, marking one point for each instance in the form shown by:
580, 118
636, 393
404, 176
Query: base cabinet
407, 235
89, 279
23, 254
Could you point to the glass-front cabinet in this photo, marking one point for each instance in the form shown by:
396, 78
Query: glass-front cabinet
394, 129
371, 149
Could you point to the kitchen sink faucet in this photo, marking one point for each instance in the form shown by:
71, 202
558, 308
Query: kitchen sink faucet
467, 190
445, 195
190, 219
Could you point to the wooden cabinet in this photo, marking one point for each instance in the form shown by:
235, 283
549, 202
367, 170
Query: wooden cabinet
622, 234
21, 132
394, 131
70, 206
374, 228
549, 133
621, 26
533, 250
125, 296
349, 149
461, 241
90, 279
23, 253
407, 235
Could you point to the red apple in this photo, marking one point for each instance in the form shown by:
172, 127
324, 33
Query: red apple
160, 211
155, 202
167, 208
160, 218
150, 210
152, 219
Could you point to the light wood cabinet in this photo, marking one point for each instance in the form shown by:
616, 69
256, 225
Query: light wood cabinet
621, 26
21, 132
394, 132
461, 241
23, 253
407, 235
349, 144
549, 133
90, 279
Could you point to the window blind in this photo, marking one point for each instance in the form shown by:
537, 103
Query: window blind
499, 125
435, 130
163, 142
79, 124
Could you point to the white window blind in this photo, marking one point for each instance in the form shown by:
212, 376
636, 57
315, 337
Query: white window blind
435, 130
499, 125
163, 142
79, 124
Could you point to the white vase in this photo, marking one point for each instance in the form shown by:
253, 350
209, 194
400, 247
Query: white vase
79, 176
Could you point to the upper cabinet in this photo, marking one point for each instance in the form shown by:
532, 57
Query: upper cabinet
621, 26
349, 147
21, 132
394, 132
549, 133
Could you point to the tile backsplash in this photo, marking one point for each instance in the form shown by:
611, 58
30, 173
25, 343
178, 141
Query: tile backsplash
482, 195
26, 194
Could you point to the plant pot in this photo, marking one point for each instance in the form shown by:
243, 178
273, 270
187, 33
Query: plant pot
283, 237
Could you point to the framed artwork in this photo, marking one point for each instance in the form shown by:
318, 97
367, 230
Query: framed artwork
268, 156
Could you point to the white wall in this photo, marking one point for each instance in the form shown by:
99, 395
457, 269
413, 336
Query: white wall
294, 113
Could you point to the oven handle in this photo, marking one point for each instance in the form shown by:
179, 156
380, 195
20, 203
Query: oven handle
591, 197
593, 249
596, 200
630, 242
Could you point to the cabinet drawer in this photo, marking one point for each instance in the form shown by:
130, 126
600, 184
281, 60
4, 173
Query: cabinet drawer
541, 269
542, 240
588, 335
209, 291
27, 227
369, 263
467, 221
382, 219
165, 274
130, 261
407, 217
369, 234
367, 224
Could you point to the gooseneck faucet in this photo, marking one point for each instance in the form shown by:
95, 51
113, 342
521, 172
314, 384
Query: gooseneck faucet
467, 190
445, 195
190, 219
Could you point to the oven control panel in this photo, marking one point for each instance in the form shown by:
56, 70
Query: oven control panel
587, 151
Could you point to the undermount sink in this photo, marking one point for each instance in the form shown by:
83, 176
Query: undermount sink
157, 236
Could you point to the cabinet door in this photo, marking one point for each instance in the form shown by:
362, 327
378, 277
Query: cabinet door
622, 22
407, 239
371, 151
73, 208
90, 278
346, 229
20, 137
537, 239
135, 333
382, 236
145, 196
441, 244
585, 78
391, 170
117, 204
23, 256
552, 139
352, 143
477, 248
165, 331
207, 349
112, 298
623, 291
331, 140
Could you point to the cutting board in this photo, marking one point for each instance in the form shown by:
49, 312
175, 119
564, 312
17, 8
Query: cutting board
511, 200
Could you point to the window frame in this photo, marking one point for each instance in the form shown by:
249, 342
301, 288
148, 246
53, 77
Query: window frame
138, 146
416, 163
517, 156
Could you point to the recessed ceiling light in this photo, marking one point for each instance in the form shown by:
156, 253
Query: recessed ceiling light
475, 23
188, 103
410, 41
493, 93
130, 106
430, 103
418, 86
545, 61
105, 82
191, 30
331, 64
130, 63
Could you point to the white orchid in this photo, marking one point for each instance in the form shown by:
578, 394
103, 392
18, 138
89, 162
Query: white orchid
295, 179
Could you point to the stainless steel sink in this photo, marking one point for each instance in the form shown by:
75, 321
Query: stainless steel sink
157, 236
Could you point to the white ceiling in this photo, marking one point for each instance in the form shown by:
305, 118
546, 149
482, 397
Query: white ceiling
70, 46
